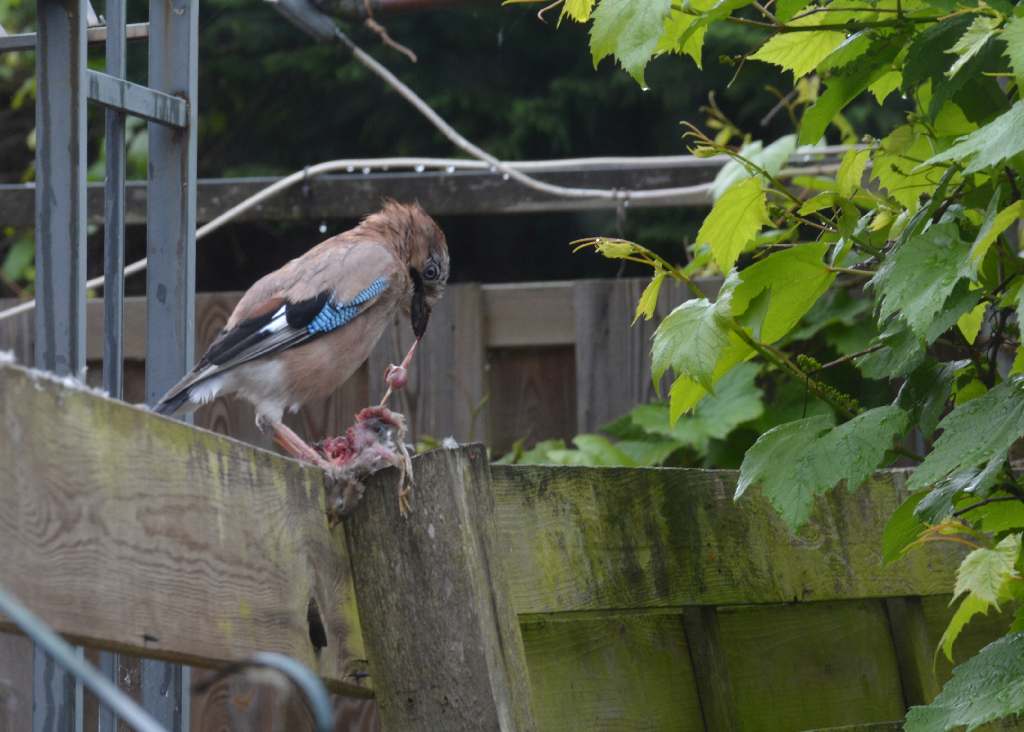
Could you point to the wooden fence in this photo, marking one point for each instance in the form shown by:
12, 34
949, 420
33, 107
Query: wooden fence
498, 363
514, 597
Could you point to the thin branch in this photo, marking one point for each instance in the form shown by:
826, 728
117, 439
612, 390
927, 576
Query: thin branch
984, 502
850, 357
849, 271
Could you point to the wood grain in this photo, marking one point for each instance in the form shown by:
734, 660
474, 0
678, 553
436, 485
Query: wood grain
532, 395
446, 378
627, 671
529, 314
442, 639
821, 664
142, 525
613, 354
615, 538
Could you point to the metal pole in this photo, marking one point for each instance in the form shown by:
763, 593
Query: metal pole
113, 237
170, 282
60, 264
60, 187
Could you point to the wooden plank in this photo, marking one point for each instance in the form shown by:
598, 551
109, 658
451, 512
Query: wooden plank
704, 639
348, 196
626, 671
439, 400
526, 315
15, 683
141, 525
442, 639
532, 395
914, 649
804, 666
612, 538
613, 354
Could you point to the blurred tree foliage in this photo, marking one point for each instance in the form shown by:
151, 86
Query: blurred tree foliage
271, 102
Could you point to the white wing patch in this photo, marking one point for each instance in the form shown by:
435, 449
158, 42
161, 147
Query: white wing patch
278, 322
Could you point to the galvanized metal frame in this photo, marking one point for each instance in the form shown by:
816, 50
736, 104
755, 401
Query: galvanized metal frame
65, 84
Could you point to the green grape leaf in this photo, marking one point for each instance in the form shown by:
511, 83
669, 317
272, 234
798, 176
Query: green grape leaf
770, 158
978, 33
1001, 138
994, 225
894, 166
795, 277
649, 298
998, 517
797, 461
998, 415
902, 529
916, 279
647, 452
984, 688
842, 89
629, 30
926, 391
786, 9
969, 607
851, 171
970, 322
984, 571
885, 85
685, 393
690, 340
677, 37
846, 52
578, 10
902, 351
940, 502
1013, 34
736, 400
734, 221
800, 52
929, 47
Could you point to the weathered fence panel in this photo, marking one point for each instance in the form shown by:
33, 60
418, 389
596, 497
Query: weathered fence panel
645, 598
133, 532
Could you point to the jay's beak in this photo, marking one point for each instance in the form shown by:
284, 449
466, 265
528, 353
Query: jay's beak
420, 310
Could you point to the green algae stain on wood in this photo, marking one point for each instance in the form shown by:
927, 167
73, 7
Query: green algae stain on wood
796, 667
619, 672
610, 538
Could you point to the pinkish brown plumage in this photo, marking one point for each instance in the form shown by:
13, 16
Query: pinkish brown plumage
300, 332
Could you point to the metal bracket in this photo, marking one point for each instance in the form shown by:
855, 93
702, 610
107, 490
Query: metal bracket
136, 99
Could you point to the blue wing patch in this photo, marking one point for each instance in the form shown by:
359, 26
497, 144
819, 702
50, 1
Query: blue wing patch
336, 314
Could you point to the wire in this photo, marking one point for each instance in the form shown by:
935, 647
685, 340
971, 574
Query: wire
123, 706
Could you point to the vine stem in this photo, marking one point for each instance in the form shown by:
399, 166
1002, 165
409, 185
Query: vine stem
781, 360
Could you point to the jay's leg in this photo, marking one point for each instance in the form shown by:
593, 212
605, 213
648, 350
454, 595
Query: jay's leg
293, 444
395, 376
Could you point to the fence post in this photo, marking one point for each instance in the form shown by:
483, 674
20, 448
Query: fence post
442, 639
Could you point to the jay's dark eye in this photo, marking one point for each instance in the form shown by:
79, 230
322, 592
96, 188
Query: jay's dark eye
431, 272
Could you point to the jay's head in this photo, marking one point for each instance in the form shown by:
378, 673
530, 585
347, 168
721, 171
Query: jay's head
421, 246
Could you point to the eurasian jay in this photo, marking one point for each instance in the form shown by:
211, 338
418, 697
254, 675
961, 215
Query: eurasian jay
300, 332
